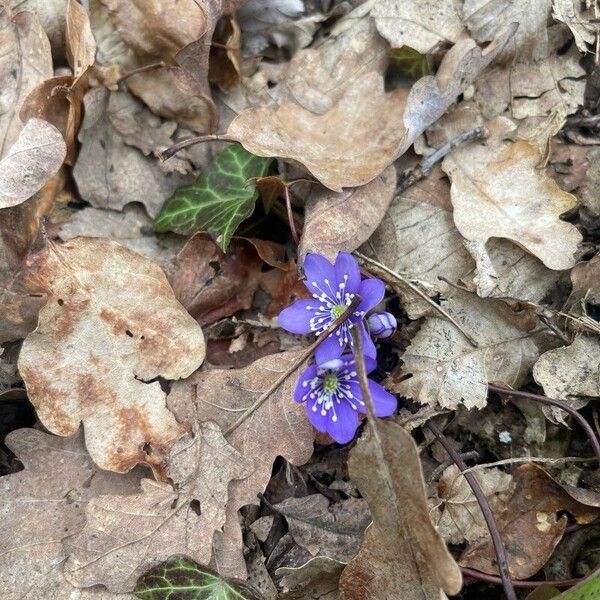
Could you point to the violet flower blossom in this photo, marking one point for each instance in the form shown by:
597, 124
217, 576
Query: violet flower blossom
333, 398
332, 287
381, 324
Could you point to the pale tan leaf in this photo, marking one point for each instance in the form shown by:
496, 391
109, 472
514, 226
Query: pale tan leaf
447, 371
126, 535
402, 555
110, 323
483, 18
579, 21
589, 191
570, 373
315, 580
30, 162
44, 504
531, 524
335, 530
460, 518
81, 44
367, 129
420, 24
343, 221
221, 396
498, 191
24, 63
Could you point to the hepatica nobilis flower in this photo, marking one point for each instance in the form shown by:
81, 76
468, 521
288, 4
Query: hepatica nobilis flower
333, 399
332, 287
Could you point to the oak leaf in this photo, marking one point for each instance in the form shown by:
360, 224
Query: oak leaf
402, 555
383, 124
499, 192
110, 324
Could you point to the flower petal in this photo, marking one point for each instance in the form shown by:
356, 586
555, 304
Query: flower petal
385, 403
320, 275
345, 264
313, 412
330, 348
302, 385
296, 318
342, 430
372, 292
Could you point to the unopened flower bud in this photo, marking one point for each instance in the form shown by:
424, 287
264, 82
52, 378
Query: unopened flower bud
382, 324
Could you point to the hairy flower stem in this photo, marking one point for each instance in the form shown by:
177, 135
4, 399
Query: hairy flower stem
488, 515
356, 300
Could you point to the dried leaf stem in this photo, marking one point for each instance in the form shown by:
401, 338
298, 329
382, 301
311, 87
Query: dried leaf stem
393, 279
565, 583
290, 214
488, 515
552, 402
356, 300
143, 69
192, 141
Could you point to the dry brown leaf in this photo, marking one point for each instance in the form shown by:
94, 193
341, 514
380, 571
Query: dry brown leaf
367, 129
570, 373
335, 530
110, 173
498, 191
483, 18
221, 395
126, 535
44, 504
578, 20
402, 555
585, 278
460, 518
447, 371
420, 24
334, 222
80, 41
24, 63
110, 323
529, 524
315, 580
589, 192
30, 162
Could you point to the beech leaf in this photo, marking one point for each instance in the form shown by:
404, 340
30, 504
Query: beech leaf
110, 324
181, 578
219, 200
33, 159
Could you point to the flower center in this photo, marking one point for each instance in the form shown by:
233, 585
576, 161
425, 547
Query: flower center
330, 383
338, 310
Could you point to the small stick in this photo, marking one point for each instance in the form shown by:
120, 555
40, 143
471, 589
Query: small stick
552, 402
564, 583
488, 515
414, 175
290, 214
362, 374
198, 139
356, 300
392, 278
435, 474
151, 67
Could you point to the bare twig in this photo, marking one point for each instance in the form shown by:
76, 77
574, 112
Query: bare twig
552, 402
565, 583
393, 279
267, 393
363, 379
412, 176
198, 139
151, 67
290, 214
488, 515
583, 121
435, 474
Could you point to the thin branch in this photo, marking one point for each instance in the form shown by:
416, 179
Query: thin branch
393, 278
552, 402
151, 67
414, 175
356, 300
290, 214
518, 583
198, 139
361, 370
488, 515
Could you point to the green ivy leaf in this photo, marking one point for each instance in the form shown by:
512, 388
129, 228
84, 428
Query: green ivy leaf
410, 63
219, 200
180, 578
588, 589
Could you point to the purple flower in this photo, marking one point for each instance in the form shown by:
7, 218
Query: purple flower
332, 288
381, 324
331, 393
